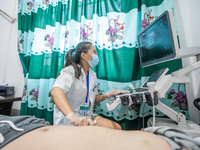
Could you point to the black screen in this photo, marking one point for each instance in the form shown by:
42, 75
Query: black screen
156, 42
155, 76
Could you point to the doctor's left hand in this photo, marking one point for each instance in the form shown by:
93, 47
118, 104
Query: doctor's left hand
109, 94
77, 120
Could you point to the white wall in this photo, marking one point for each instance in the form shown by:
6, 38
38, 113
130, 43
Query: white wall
11, 70
188, 24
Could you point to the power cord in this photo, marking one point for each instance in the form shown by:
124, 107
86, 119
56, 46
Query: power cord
143, 114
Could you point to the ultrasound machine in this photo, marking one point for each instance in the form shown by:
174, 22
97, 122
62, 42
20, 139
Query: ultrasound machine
158, 43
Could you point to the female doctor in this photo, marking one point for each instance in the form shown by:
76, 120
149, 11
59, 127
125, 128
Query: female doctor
75, 90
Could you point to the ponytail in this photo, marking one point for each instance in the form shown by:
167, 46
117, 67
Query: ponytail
73, 57
71, 61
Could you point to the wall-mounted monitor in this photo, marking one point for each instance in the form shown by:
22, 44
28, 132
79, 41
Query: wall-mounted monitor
158, 42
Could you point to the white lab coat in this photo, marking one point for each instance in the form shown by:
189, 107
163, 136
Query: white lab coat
75, 91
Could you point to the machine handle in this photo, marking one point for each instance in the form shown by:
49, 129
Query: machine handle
196, 103
112, 106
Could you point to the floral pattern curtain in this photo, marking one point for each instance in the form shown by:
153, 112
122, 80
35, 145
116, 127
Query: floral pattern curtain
49, 28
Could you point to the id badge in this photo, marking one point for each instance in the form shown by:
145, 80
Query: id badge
84, 111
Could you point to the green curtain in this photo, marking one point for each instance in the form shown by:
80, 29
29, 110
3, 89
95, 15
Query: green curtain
47, 29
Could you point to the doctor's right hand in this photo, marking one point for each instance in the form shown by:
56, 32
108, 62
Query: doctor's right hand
77, 120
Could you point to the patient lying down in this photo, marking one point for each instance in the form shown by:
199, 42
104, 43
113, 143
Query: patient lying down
38, 135
86, 138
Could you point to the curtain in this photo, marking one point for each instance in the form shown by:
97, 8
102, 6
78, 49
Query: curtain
47, 29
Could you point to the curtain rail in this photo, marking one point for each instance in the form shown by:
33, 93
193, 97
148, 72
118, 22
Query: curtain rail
12, 20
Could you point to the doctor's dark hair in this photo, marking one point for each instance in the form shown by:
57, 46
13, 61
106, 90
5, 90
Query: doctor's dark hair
75, 60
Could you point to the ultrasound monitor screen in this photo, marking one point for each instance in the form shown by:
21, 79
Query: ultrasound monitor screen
156, 42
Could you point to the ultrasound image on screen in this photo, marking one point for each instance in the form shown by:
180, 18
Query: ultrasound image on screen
156, 42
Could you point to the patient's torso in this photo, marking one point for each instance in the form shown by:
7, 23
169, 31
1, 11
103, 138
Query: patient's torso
87, 137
